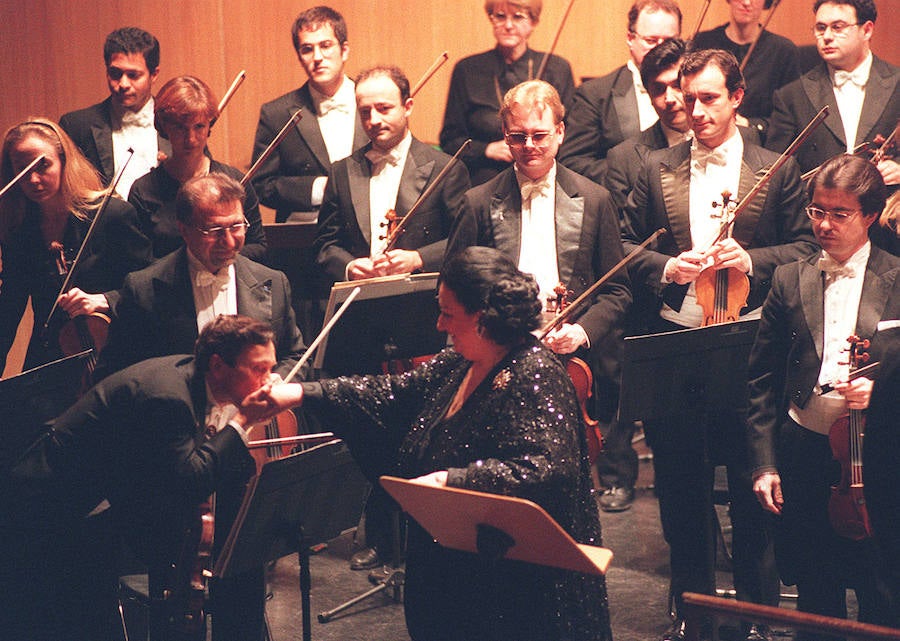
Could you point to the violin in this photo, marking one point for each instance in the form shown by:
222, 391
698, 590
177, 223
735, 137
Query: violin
847, 506
581, 375
186, 602
722, 293
282, 426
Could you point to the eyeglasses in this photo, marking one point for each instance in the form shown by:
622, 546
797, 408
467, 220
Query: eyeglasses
519, 138
838, 29
219, 232
517, 18
839, 217
650, 41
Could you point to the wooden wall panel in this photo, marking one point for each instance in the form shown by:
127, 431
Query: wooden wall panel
52, 49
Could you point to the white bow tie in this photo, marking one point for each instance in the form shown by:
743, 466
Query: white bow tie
835, 269
532, 188
333, 104
703, 157
377, 157
207, 279
141, 118
858, 77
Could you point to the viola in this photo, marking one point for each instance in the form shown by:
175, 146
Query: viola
722, 293
581, 375
282, 426
847, 506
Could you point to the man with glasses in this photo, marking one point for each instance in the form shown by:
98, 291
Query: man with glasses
161, 309
556, 225
610, 109
292, 181
848, 288
861, 90
683, 189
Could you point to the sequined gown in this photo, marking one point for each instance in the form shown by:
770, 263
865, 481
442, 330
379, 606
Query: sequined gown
519, 433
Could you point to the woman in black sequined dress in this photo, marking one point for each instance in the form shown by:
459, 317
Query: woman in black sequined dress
496, 413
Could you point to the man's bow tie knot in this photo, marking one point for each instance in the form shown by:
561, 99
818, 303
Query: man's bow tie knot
532, 188
835, 269
377, 157
332, 104
858, 77
207, 279
141, 118
704, 156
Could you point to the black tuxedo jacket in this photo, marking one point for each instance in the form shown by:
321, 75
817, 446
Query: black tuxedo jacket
155, 315
91, 129
773, 229
344, 230
603, 114
798, 102
284, 182
787, 355
587, 247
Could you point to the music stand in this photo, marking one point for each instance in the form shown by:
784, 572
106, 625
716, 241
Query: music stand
302, 499
686, 371
473, 521
392, 318
35, 396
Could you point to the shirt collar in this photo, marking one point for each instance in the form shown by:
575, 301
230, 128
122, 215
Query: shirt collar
861, 71
345, 95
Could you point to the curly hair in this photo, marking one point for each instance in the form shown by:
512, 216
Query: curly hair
485, 280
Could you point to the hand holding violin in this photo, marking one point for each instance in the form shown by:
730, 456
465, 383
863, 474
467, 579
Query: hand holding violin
857, 392
269, 400
566, 338
685, 268
727, 254
890, 171
76, 302
397, 261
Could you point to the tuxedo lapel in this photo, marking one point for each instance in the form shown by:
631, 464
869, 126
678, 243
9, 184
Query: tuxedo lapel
569, 216
358, 178
308, 127
102, 134
817, 85
416, 172
673, 178
625, 104
254, 297
812, 299
877, 286
879, 90
506, 218
174, 298
752, 169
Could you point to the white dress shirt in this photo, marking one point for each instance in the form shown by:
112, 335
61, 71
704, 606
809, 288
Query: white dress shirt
134, 130
850, 93
387, 170
646, 113
537, 254
214, 294
337, 122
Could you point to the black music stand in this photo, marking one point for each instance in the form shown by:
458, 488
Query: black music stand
392, 318
294, 502
35, 396
698, 372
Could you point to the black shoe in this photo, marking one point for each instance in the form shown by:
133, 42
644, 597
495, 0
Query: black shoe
759, 632
676, 632
617, 499
365, 559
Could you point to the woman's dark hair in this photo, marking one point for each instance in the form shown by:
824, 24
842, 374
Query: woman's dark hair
485, 280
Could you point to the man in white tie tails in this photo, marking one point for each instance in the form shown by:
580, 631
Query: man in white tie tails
861, 89
849, 288
680, 188
387, 175
106, 131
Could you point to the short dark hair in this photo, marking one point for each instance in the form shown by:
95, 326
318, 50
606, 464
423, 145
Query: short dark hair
129, 40
696, 61
663, 56
669, 6
485, 280
212, 189
228, 336
853, 175
865, 9
316, 17
388, 71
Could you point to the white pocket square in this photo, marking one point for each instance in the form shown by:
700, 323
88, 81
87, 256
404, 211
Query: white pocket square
887, 324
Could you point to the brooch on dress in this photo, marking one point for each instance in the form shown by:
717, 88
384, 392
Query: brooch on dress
501, 380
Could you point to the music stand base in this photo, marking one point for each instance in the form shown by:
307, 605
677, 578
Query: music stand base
393, 581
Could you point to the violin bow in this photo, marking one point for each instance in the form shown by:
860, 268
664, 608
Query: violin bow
589, 292
765, 24
288, 440
767, 176
549, 52
395, 234
293, 120
437, 64
21, 175
812, 172
701, 18
87, 237
235, 84
880, 153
